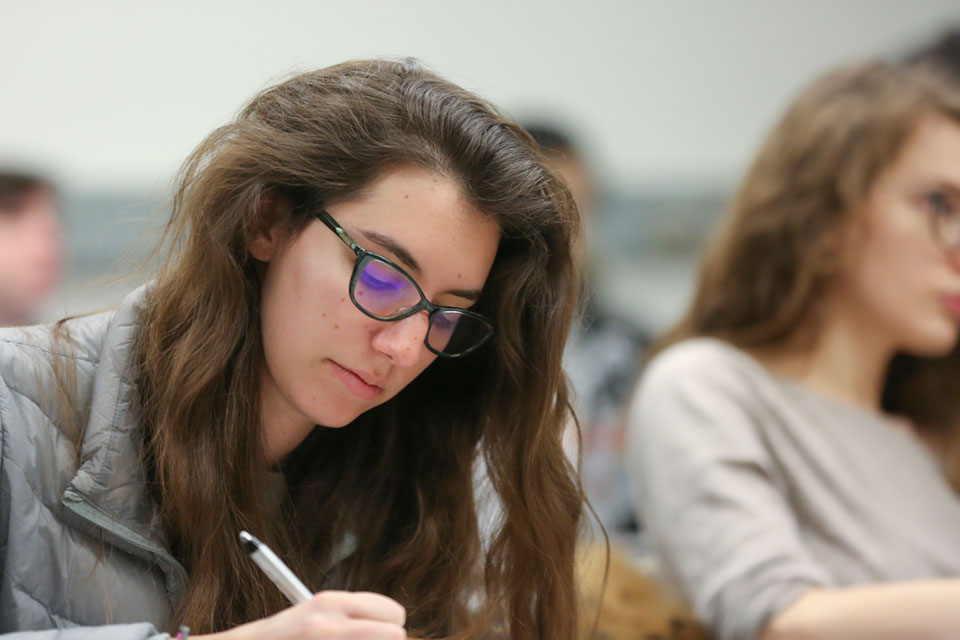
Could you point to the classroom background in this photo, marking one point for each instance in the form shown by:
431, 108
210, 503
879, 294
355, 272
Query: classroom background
667, 100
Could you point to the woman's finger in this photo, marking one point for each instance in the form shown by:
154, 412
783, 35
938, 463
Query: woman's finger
362, 605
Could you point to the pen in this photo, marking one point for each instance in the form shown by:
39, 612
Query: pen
275, 569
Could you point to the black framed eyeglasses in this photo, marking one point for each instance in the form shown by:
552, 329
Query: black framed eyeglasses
383, 291
943, 211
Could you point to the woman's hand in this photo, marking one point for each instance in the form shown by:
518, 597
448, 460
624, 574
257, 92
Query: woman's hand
328, 615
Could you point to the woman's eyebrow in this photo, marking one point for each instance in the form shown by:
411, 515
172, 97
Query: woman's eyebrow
390, 244
949, 185
467, 294
394, 247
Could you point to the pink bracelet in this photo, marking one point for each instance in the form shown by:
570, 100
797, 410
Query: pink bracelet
183, 633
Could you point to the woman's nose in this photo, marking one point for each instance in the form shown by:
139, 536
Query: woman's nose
403, 340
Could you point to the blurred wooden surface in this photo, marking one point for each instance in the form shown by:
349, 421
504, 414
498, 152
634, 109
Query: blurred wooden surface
633, 606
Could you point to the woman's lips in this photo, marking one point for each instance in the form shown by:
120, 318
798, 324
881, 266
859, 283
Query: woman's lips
354, 382
952, 303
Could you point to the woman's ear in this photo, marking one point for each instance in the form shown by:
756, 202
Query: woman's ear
262, 245
272, 209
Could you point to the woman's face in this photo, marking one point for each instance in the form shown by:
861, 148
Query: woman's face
902, 279
327, 362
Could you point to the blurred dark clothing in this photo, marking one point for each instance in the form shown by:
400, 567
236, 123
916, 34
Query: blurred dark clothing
603, 358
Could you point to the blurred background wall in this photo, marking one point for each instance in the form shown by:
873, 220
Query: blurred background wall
669, 100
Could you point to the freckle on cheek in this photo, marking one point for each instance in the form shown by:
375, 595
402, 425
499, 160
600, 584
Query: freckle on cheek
336, 326
323, 315
343, 299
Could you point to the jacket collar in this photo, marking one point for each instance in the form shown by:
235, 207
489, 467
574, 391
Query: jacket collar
108, 493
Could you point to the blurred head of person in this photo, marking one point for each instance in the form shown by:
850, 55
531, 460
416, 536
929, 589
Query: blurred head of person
30, 246
851, 210
944, 52
563, 154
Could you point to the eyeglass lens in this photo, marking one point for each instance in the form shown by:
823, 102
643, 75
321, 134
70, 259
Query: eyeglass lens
947, 229
383, 291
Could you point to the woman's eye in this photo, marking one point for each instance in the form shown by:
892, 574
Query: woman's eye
941, 203
382, 283
376, 283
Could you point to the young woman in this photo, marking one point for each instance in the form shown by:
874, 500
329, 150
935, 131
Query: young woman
367, 294
790, 455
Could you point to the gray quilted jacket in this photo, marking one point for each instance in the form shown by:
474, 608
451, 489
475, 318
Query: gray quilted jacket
80, 549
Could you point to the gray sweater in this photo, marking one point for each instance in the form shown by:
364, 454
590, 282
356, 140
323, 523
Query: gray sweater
755, 489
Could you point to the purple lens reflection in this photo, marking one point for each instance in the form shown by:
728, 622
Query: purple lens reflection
384, 291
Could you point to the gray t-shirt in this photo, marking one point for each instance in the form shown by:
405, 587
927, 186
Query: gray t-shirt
756, 489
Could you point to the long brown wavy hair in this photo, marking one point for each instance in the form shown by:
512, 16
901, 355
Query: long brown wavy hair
783, 240
397, 485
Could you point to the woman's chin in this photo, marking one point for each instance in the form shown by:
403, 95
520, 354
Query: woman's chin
935, 344
335, 419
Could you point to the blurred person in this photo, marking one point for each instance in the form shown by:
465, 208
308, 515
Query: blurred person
30, 246
603, 355
795, 444
943, 52
369, 284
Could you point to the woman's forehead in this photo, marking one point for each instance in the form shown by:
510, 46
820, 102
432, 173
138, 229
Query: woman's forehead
410, 203
422, 221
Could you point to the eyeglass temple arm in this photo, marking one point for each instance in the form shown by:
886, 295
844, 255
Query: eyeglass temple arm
328, 220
